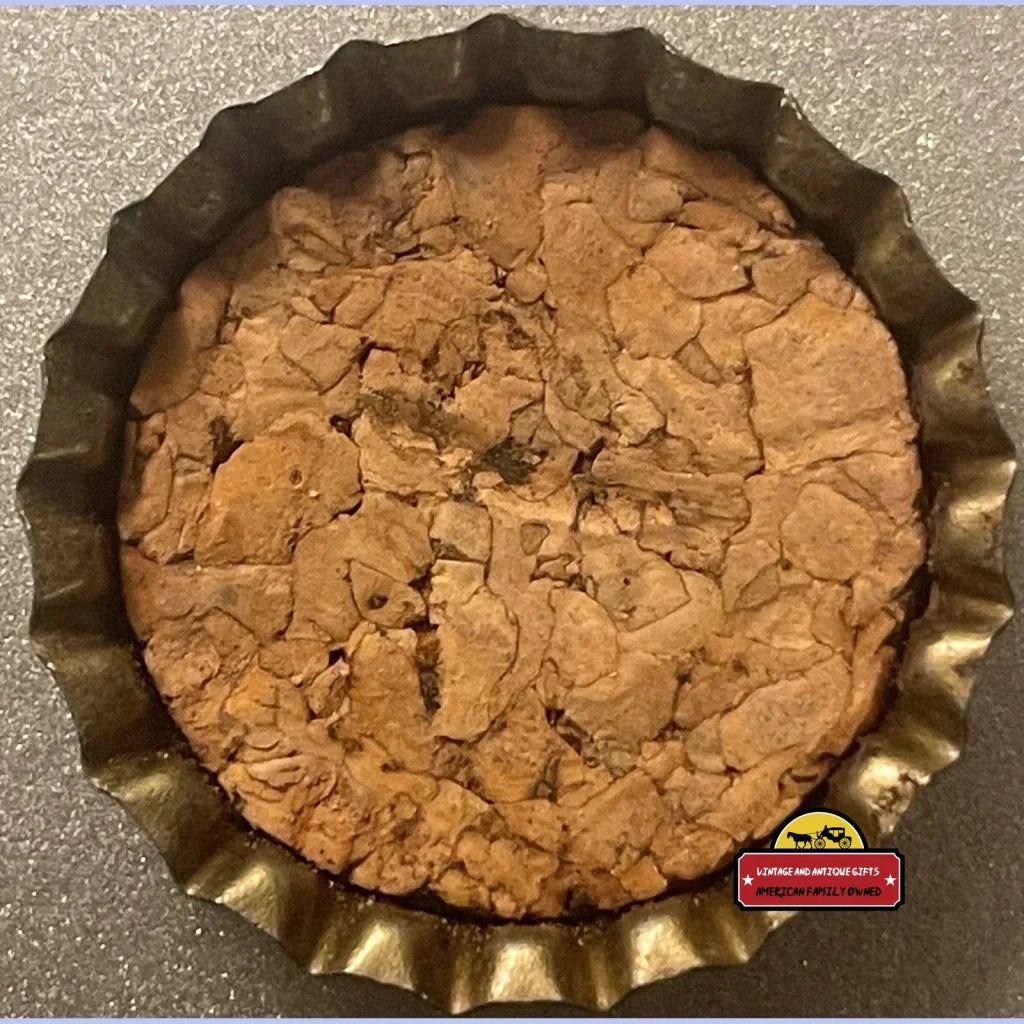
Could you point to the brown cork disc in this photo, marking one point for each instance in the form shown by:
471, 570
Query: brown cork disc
521, 513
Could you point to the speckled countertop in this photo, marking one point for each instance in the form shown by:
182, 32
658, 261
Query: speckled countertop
98, 104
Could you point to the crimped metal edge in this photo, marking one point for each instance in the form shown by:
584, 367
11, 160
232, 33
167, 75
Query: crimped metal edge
67, 495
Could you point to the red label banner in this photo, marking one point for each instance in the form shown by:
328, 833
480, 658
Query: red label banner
813, 880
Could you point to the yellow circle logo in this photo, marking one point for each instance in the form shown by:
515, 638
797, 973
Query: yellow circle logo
819, 830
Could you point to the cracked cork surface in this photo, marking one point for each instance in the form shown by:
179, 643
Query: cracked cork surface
521, 513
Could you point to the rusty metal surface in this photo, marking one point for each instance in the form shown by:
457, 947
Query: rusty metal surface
67, 493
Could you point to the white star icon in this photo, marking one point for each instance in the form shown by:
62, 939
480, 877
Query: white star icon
890, 879
747, 879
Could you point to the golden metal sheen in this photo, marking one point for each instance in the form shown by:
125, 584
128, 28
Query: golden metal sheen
68, 492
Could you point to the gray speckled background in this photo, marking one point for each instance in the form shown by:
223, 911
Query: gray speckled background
96, 105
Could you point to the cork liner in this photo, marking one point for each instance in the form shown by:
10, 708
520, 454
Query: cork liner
68, 495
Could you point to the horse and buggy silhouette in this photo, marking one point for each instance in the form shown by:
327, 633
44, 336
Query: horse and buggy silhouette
819, 840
